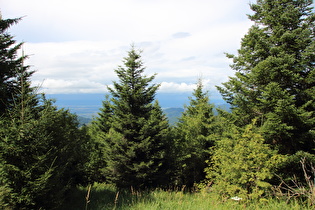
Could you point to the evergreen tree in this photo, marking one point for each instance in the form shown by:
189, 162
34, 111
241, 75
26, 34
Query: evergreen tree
135, 143
43, 152
11, 66
98, 131
193, 137
41, 157
103, 121
275, 76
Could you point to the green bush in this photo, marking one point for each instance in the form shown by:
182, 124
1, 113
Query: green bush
242, 164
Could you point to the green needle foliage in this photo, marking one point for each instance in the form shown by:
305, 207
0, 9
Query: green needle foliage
242, 164
43, 152
133, 128
192, 140
98, 131
275, 77
12, 69
41, 158
273, 85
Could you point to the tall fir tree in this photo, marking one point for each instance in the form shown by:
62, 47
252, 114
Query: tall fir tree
43, 152
12, 68
40, 161
98, 131
103, 122
134, 144
275, 76
193, 137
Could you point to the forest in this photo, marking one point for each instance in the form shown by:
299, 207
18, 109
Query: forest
262, 149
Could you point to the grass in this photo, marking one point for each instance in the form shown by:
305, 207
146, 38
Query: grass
103, 197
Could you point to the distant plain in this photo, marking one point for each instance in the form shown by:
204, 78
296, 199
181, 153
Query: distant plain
88, 105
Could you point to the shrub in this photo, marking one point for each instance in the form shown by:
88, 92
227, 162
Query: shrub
242, 164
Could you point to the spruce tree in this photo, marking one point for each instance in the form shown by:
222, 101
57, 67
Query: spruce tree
135, 143
43, 151
11, 66
98, 131
40, 160
103, 121
275, 76
193, 137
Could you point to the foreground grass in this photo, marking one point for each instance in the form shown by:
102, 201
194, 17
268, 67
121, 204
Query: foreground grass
106, 197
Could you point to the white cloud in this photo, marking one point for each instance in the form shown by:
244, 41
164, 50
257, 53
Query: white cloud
76, 45
171, 87
57, 86
176, 87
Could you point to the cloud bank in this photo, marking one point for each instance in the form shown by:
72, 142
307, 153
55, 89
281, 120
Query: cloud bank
74, 46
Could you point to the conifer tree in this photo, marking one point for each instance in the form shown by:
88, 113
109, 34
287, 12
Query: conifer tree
43, 152
193, 137
98, 131
11, 66
40, 160
103, 122
275, 76
134, 145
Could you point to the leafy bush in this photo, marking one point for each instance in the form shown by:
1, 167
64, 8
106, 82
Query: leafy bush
242, 164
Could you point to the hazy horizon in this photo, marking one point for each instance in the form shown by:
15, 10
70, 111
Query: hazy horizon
89, 104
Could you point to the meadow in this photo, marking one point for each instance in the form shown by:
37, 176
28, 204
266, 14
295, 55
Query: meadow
103, 197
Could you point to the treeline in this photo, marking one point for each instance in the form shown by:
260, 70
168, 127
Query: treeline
260, 144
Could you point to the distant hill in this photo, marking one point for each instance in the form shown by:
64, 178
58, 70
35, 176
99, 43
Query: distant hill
84, 120
225, 107
173, 114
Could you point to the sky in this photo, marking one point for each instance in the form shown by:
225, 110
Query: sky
74, 46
